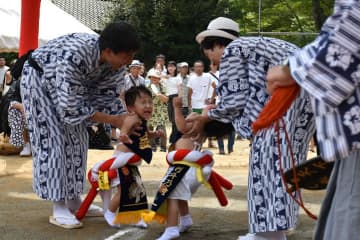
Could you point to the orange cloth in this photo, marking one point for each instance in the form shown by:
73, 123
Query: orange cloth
278, 104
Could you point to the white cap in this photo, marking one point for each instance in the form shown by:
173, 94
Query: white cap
183, 64
220, 27
154, 73
135, 63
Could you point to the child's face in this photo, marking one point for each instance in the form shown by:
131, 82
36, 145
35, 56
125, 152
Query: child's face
155, 80
143, 106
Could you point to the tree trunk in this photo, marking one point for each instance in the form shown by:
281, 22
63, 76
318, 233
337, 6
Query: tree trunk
318, 14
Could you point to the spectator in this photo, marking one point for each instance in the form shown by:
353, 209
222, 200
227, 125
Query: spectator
171, 85
3, 70
200, 87
183, 89
160, 116
134, 78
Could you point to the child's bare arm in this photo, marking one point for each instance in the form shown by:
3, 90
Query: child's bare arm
157, 133
181, 124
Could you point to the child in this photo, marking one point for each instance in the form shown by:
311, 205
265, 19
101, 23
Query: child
131, 193
183, 177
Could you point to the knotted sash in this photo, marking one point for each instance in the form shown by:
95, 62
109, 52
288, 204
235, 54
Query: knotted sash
101, 175
182, 160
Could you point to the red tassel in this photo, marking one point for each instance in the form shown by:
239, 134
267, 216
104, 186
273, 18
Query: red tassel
219, 193
223, 181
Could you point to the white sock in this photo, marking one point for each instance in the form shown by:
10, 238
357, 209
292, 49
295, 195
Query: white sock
106, 198
170, 233
110, 217
185, 223
62, 214
141, 224
73, 204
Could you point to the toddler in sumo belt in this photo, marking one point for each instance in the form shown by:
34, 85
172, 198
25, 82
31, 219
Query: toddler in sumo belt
188, 169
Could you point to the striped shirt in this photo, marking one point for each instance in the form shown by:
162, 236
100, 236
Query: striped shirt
329, 69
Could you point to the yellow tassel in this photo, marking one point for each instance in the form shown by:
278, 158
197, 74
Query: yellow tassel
148, 216
160, 218
131, 217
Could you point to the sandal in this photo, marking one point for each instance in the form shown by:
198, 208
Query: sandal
75, 223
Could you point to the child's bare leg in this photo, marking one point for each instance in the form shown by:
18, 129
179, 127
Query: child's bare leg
185, 218
171, 230
172, 212
110, 213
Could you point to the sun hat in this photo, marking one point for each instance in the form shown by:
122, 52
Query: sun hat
183, 64
135, 63
154, 73
220, 27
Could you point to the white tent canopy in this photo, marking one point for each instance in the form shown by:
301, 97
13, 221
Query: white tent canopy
54, 22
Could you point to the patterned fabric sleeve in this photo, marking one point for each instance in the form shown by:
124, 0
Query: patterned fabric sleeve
105, 92
233, 84
329, 67
73, 97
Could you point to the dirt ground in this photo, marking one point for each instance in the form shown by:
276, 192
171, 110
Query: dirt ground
24, 216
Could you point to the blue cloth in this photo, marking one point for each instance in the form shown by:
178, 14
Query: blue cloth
329, 70
58, 103
242, 89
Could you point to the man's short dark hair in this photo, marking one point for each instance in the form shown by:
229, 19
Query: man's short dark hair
132, 93
119, 37
210, 42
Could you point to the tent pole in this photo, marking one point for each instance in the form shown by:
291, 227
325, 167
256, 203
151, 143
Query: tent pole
29, 26
259, 18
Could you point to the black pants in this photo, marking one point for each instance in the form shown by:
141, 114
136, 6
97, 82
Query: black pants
171, 114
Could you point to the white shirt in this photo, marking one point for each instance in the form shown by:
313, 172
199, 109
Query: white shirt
172, 85
201, 86
214, 79
3, 86
130, 80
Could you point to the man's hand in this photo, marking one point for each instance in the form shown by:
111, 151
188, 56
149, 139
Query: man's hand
278, 76
129, 124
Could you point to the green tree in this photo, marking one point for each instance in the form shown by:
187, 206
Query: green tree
282, 16
169, 26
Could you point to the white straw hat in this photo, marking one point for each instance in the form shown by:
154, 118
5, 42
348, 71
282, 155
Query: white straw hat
154, 73
220, 27
135, 63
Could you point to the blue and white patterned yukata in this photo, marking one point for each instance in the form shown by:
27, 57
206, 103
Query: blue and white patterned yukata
329, 69
242, 91
58, 103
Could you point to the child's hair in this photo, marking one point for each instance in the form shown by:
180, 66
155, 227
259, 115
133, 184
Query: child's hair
217, 129
133, 92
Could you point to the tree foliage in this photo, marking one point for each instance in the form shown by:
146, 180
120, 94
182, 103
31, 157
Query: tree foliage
170, 26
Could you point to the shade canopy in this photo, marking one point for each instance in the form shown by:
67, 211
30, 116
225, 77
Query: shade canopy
54, 22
